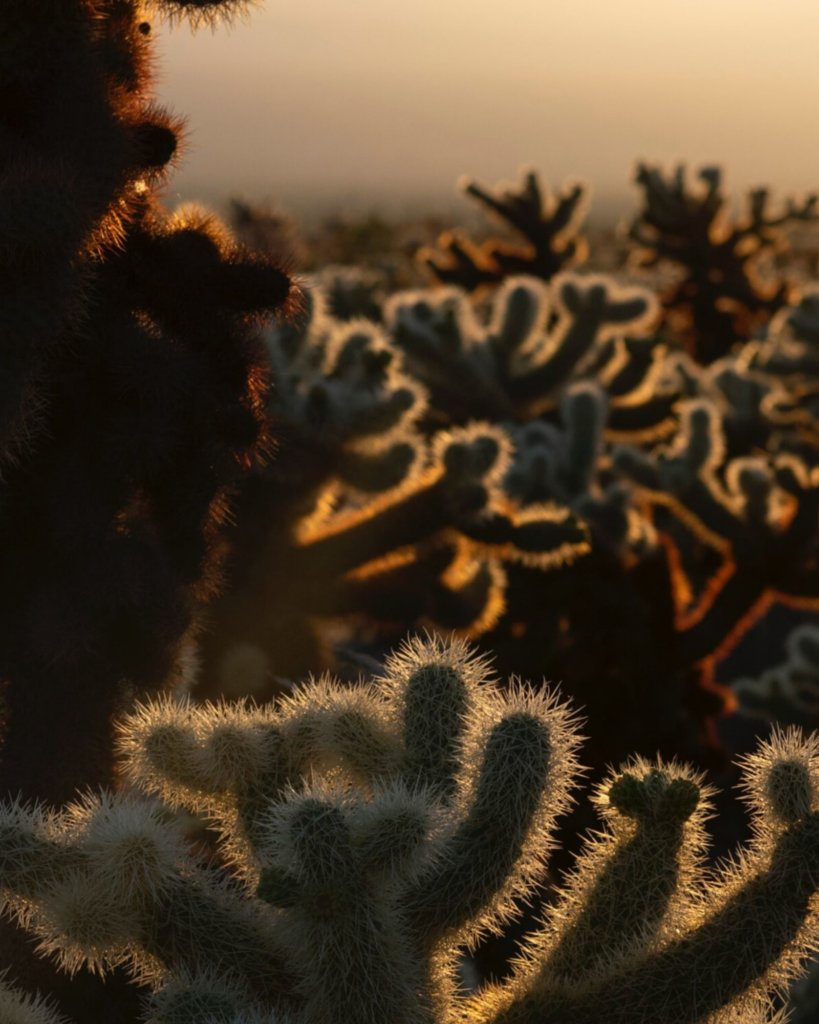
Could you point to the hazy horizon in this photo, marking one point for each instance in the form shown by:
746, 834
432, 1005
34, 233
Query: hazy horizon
377, 105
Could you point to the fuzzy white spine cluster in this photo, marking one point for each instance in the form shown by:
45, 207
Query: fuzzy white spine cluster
373, 831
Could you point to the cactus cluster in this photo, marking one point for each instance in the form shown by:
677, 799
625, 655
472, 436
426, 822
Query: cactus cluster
367, 834
591, 386
602, 484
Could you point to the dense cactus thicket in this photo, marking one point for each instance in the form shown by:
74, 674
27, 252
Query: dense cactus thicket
372, 832
610, 480
132, 392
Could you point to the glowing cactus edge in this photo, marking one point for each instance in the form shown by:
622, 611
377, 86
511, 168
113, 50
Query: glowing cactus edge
372, 832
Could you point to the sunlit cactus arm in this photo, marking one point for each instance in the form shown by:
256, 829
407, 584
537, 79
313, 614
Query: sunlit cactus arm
763, 903
341, 402
540, 536
591, 309
233, 761
107, 882
560, 465
331, 863
452, 353
423, 809
445, 583
456, 487
459, 261
720, 297
629, 886
549, 225
520, 744
684, 474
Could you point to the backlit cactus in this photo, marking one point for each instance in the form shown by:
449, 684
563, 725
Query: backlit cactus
133, 384
721, 295
369, 832
547, 223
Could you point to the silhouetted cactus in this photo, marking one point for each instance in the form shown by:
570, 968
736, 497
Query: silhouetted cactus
721, 295
372, 831
131, 402
133, 387
548, 224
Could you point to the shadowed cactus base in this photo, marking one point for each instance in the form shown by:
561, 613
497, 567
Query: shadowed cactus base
369, 833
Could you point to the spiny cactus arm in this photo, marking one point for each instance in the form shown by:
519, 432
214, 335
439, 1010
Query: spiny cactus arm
187, 754
466, 466
376, 472
359, 391
631, 880
539, 536
549, 225
520, 752
592, 308
451, 352
329, 859
332, 727
445, 583
189, 273
520, 309
106, 882
233, 760
760, 222
203, 927
683, 476
192, 998
673, 214
18, 1008
431, 687
583, 409
644, 416
745, 937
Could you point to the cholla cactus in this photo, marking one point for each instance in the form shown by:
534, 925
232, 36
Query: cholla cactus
430, 549
537, 339
133, 384
754, 516
721, 296
372, 831
549, 225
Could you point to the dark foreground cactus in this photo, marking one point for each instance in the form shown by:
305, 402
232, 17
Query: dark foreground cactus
368, 833
132, 387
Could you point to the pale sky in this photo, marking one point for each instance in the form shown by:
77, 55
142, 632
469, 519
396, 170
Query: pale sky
324, 101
